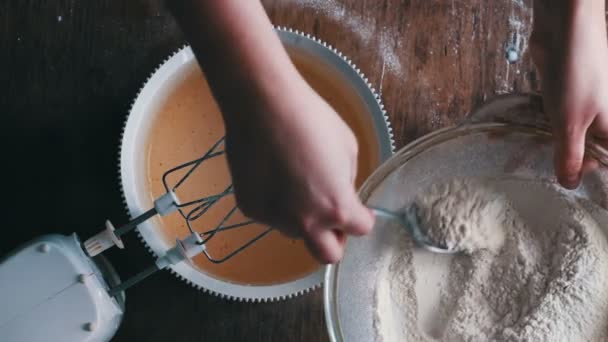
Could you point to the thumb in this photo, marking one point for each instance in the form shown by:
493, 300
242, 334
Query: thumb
569, 154
327, 245
360, 222
360, 218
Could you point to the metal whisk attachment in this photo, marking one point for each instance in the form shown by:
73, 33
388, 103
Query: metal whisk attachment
194, 209
175, 182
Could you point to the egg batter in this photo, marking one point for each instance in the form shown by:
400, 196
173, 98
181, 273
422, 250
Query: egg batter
189, 123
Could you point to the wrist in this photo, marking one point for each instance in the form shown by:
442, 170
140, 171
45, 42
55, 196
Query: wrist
261, 96
585, 13
245, 64
560, 25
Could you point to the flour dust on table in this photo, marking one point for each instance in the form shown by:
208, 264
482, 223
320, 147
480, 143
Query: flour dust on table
534, 268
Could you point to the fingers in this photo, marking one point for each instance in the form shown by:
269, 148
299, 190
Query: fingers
328, 235
569, 154
570, 159
360, 221
598, 133
590, 164
348, 215
327, 245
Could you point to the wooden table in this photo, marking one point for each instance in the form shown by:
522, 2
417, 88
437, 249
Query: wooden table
70, 70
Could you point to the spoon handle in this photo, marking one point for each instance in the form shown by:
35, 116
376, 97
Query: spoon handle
386, 213
405, 220
408, 219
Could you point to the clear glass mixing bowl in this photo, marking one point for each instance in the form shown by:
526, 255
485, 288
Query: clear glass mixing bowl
507, 137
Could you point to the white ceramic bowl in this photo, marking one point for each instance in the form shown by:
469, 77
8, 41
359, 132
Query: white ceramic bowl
133, 171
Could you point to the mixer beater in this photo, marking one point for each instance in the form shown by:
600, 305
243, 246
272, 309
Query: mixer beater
191, 210
82, 298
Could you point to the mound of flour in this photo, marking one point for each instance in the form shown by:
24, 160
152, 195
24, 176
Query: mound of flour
463, 215
544, 279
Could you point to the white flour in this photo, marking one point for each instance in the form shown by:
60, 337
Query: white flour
548, 281
463, 215
370, 35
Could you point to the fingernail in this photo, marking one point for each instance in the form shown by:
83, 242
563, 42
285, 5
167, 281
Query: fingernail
571, 182
372, 215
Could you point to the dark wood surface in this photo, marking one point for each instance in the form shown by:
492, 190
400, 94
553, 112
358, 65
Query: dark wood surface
70, 70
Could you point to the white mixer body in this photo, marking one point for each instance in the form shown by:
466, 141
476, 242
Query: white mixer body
51, 291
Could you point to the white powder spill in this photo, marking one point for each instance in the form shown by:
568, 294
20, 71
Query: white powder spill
520, 3
520, 32
381, 40
381, 78
520, 28
547, 282
384, 40
387, 41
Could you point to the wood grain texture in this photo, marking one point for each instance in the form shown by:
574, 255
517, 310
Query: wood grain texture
70, 70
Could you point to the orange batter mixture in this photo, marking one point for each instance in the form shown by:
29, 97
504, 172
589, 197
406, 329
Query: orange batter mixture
189, 123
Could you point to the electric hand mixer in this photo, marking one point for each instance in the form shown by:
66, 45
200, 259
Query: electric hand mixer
71, 293
81, 297
56, 289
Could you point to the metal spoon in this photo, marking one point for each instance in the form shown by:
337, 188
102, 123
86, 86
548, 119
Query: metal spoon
409, 220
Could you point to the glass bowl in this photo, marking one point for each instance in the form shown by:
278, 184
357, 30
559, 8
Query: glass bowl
508, 137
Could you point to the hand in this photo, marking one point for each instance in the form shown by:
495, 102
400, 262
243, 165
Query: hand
293, 162
292, 158
570, 50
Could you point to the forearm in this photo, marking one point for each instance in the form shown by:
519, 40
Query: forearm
238, 50
557, 23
